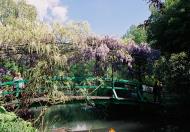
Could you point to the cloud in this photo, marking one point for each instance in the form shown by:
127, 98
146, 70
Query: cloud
58, 12
50, 10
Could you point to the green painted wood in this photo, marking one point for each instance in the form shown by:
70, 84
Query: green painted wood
61, 78
12, 83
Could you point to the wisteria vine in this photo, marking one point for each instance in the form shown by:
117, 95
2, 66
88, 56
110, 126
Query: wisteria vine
110, 51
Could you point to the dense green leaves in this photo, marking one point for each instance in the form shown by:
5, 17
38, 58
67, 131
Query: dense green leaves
180, 72
169, 30
9, 9
9, 122
137, 34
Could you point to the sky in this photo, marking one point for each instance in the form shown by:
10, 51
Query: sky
105, 17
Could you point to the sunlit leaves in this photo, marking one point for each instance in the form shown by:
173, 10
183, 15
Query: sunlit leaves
11, 9
179, 65
72, 32
26, 11
137, 34
23, 31
31, 36
8, 9
10, 122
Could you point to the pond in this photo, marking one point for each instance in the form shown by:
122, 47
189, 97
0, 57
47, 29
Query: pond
83, 118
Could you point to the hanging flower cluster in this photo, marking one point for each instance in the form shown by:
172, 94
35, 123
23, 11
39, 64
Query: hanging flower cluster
108, 49
103, 49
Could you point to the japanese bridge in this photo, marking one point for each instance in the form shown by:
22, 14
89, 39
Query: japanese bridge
110, 91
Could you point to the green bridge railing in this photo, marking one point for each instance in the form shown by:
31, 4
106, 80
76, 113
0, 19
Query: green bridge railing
17, 90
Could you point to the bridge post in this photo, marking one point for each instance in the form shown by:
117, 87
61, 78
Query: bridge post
139, 92
115, 94
17, 89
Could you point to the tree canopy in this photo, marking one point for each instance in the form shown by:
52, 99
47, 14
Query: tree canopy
168, 30
137, 34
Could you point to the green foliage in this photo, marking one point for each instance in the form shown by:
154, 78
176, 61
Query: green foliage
161, 69
2, 109
180, 72
137, 34
7, 78
174, 72
9, 10
9, 122
71, 36
12, 66
149, 80
82, 69
168, 30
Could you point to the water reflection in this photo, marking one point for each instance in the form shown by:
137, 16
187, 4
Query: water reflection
84, 118
102, 125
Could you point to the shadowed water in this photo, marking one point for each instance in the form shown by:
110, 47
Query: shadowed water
80, 117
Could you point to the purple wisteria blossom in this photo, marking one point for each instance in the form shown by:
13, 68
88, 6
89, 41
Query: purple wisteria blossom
108, 50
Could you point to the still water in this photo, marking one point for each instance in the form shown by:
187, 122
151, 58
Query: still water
83, 118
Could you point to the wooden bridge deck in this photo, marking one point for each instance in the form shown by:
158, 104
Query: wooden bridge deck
53, 101
30, 102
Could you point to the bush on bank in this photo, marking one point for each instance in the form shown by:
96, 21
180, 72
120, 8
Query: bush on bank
9, 122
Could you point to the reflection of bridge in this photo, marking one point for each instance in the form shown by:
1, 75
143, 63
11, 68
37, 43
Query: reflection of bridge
110, 91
